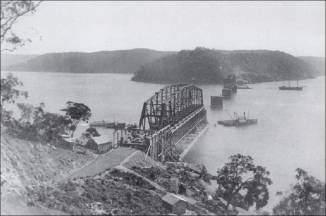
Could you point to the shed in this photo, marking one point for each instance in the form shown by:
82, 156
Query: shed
100, 144
174, 203
104, 143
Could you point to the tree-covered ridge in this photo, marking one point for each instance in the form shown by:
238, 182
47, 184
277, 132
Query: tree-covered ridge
210, 66
317, 62
119, 61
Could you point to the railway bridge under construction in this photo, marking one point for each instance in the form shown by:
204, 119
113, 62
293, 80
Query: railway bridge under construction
168, 116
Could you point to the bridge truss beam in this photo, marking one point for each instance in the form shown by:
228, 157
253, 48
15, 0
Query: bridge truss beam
170, 105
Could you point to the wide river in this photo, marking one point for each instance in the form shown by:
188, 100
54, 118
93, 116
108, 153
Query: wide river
290, 132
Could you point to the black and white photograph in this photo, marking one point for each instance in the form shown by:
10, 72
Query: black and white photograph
162, 107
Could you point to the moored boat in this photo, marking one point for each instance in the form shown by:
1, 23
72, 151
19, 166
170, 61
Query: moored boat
238, 121
296, 88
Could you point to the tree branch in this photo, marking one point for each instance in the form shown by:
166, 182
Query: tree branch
7, 25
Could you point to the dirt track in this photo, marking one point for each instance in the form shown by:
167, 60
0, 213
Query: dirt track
105, 161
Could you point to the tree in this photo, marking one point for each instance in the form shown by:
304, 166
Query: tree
76, 112
242, 183
38, 125
307, 197
11, 11
26, 112
93, 132
10, 92
50, 127
43, 126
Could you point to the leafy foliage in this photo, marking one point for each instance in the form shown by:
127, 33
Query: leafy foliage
93, 132
242, 183
307, 197
35, 123
38, 125
11, 11
26, 112
49, 126
76, 112
10, 92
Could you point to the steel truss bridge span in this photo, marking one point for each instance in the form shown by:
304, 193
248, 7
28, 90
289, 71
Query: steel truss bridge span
169, 106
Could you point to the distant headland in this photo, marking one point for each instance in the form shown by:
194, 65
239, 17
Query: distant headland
200, 65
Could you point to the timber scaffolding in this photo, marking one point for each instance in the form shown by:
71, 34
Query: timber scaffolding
168, 116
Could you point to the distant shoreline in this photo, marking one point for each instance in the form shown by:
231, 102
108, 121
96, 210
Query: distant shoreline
149, 82
219, 83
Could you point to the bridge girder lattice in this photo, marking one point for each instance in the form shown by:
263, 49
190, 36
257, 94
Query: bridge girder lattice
169, 105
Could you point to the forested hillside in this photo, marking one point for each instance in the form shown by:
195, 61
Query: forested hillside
210, 66
317, 62
120, 61
8, 60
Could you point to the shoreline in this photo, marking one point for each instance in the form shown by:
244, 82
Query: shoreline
150, 81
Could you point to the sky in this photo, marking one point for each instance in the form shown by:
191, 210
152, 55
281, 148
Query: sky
294, 27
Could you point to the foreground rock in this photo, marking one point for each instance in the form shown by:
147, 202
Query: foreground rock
41, 179
112, 192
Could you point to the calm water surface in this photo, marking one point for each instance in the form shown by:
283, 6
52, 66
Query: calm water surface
290, 132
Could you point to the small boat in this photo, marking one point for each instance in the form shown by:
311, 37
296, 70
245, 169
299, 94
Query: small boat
238, 121
289, 87
298, 88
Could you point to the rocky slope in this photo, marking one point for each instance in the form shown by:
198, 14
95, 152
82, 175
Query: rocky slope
37, 179
26, 165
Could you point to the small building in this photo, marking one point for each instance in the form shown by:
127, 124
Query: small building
100, 144
174, 203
